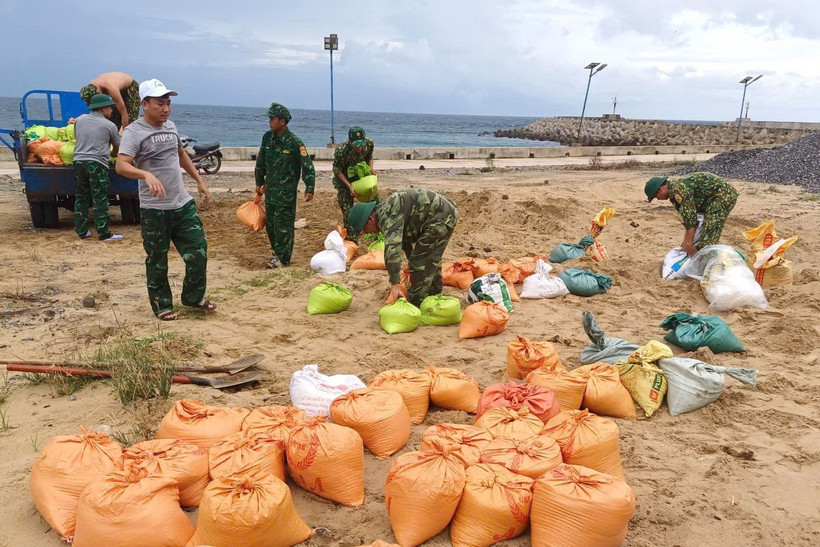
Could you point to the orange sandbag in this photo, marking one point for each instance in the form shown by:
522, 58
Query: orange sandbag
380, 543
414, 388
588, 440
378, 415
540, 400
574, 506
483, 266
351, 248
247, 454
531, 457
511, 275
252, 512
526, 265
131, 509
568, 387
327, 460
199, 423
524, 356
374, 260
274, 420
63, 468
605, 394
495, 506
180, 460
472, 440
501, 421
451, 389
45, 150
422, 491
252, 214
458, 274
482, 319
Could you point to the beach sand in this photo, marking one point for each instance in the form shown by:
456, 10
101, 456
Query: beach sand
743, 470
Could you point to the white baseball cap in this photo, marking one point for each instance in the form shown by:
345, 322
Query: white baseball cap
154, 88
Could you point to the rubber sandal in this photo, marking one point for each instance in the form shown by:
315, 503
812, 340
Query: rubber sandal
168, 315
206, 306
274, 263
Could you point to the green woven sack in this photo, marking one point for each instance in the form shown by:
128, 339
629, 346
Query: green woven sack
585, 282
366, 188
35, 132
360, 170
67, 153
400, 316
694, 331
328, 298
374, 242
568, 251
440, 310
52, 133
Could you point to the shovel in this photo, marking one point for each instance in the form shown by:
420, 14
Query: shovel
231, 368
218, 383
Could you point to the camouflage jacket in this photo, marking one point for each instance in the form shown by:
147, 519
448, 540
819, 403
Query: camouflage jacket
693, 193
279, 164
345, 157
403, 217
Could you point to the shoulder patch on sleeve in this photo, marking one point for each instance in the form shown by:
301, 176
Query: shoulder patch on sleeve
303, 150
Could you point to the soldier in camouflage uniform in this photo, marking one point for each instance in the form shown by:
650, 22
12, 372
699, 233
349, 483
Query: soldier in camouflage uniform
696, 193
358, 148
123, 89
418, 222
282, 159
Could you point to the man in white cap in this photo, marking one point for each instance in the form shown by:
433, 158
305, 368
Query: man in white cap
151, 152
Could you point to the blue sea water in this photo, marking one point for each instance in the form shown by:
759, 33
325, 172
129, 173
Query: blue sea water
244, 126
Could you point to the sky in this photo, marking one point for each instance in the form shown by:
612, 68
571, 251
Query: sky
671, 60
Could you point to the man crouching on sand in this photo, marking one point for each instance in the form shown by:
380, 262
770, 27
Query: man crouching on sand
151, 152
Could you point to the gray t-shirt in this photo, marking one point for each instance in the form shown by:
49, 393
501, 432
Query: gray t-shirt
94, 133
156, 150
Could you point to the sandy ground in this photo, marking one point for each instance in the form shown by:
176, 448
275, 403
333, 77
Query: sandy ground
744, 470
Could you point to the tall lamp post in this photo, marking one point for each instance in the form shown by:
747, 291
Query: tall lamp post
748, 80
594, 68
331, 45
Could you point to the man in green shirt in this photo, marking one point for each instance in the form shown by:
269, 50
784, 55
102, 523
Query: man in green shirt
696, 193
418, 222
281, 161
357, 149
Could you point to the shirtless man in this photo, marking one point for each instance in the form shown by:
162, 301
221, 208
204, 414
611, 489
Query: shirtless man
123, 89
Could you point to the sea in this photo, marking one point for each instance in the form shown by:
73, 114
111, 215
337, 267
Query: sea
244, 126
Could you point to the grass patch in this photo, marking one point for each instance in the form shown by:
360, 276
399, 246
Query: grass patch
810, 197
466, 172
35, 378
5, 425
144, 417
64, 384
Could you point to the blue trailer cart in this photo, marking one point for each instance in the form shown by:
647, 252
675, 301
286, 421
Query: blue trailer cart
48, 187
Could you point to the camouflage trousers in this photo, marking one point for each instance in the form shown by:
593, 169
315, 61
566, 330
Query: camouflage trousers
424, 259
715, 215
184, 228
131, 98
345, 201
91, 188
279, 221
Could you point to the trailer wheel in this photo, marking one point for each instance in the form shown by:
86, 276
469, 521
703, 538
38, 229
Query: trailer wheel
51, 215
38, 214
127, 210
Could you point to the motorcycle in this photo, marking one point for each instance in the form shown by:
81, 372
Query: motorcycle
206, 157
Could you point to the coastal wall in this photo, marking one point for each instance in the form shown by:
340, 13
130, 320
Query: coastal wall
616, 131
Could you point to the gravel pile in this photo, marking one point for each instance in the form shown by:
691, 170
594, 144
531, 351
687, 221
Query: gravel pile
796, 163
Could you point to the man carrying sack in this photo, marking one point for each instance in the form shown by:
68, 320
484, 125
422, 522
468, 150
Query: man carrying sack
418, 222
357, 149
696, 193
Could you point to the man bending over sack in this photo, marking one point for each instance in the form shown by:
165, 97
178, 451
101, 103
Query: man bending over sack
696, 193
357, 149
123, 90
417, 221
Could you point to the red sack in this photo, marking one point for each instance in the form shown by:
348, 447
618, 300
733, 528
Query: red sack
540, 400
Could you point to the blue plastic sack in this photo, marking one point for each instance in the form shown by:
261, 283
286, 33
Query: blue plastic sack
568, 251
585, 282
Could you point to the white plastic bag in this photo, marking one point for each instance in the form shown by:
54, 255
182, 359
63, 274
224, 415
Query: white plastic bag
725, 279
694, 384
313, 392
674, 264
490, 287
333, 259
543, 285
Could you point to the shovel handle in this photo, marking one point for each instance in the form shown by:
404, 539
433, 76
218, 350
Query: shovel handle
43, 369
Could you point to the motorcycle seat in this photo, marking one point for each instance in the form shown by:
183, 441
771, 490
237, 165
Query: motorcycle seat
207, 147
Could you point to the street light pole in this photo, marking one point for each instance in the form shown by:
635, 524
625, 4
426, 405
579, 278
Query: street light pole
331, 45
592, 71
747, 81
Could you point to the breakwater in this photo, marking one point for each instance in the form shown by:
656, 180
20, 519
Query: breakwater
611, 130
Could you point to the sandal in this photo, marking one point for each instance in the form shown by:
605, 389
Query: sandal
274, 263
206, 306
168, 315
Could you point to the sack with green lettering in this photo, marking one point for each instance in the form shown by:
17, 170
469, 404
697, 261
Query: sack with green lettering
490, 288
400, 316
585, 282
328, 298
374, 242
694, 331
35, 132
440, 310
67, 153
568, 251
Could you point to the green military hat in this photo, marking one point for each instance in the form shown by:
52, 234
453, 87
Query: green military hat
652, 186
356, 136
276, 110
359, 213
100, 100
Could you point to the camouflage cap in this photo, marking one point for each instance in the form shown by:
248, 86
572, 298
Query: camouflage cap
356, 135
652, 187
276, 110
87, 92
